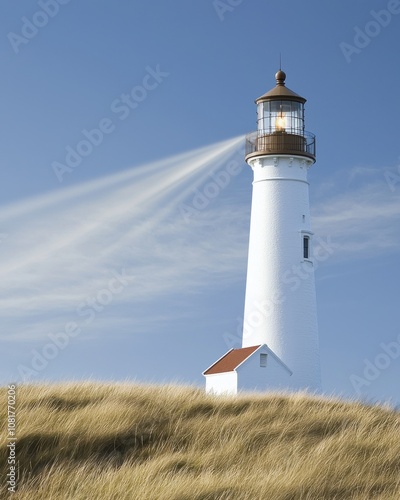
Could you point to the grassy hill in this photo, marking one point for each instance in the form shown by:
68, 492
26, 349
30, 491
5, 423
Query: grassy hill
125, 441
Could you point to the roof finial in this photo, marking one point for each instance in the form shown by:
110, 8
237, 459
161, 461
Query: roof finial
280, 61
280, 78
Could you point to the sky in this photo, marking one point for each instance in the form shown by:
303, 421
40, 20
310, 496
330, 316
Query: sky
118, 261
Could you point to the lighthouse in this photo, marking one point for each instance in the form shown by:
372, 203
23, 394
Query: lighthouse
280, 331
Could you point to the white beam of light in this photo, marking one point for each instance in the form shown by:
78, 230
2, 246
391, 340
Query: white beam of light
64, 245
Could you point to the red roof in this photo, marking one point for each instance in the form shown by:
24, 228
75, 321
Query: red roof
231, 360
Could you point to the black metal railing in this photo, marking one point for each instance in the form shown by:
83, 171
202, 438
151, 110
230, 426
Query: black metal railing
262, 141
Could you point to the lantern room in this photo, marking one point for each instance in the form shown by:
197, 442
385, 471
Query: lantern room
280, 124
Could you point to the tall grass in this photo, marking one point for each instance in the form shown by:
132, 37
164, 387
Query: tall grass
124, 441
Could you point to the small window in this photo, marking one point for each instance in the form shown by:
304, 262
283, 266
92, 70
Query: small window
263, 360
306, 247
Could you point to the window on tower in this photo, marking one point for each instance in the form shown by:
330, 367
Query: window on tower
306, 247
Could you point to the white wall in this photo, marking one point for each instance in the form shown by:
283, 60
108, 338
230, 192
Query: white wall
280, 305
221, 383
252, 377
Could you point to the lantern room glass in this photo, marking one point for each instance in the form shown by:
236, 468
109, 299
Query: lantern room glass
280, 117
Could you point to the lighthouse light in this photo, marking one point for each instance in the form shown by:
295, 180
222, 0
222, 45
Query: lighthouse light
280, 123
281, 116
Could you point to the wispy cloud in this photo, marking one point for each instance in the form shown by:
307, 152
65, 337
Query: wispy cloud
363, 219
362, 172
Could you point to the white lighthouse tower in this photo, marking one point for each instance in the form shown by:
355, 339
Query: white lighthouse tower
280, 332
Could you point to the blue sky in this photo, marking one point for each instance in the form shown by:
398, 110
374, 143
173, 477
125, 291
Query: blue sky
119, 209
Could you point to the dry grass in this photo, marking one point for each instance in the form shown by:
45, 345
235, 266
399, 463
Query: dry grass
124, 441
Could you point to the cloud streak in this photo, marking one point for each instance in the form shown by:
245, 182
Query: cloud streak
363, 219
